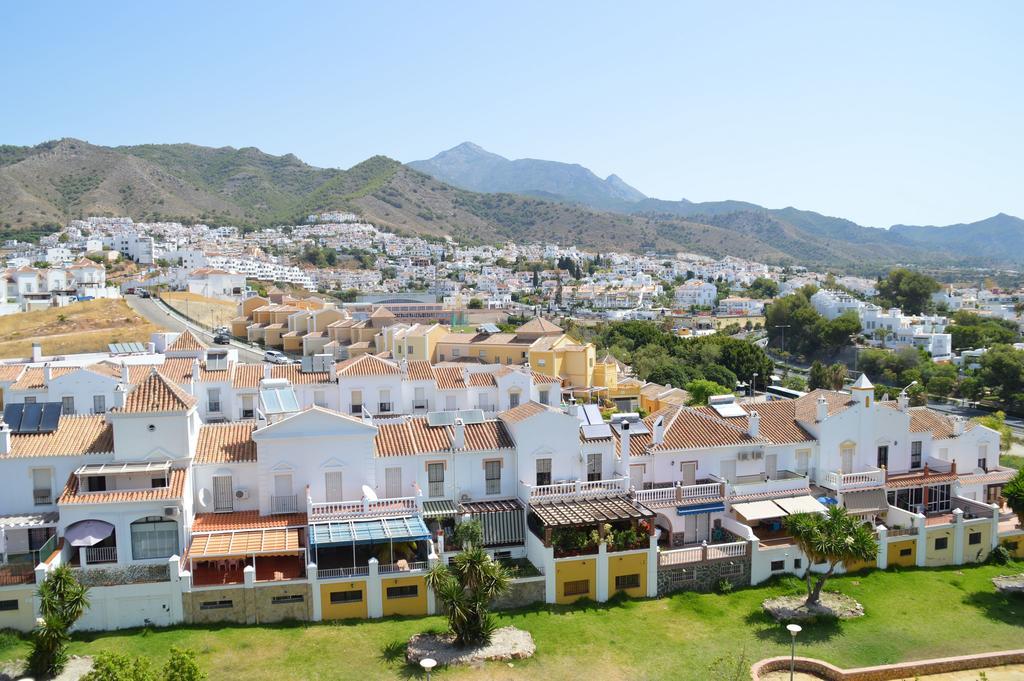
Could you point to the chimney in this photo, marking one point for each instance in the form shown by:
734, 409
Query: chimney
47, 374
332, 371
458, 435
151, 347
958, 426
37, 352
5, 438
573, 409
903, 401
266, 372
658, 434
124, 374
821, 410
624, 444
195, 369
120, 392
754, 424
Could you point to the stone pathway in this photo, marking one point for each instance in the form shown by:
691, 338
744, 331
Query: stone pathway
76, 669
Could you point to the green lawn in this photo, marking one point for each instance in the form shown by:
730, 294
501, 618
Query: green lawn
910, 614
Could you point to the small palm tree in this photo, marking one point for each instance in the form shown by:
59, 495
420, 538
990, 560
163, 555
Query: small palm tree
465, 588
1014, 493
62, 601
831, 538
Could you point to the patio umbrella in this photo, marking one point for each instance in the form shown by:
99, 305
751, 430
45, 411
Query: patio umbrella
88, 532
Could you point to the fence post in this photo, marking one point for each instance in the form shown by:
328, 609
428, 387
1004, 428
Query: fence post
374, 595
882, 556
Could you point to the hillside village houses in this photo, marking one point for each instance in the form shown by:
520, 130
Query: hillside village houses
186, 486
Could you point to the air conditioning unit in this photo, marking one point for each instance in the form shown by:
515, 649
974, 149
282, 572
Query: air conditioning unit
241, 494
464, 498
171, 511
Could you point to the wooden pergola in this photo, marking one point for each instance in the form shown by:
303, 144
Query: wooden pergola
588, 513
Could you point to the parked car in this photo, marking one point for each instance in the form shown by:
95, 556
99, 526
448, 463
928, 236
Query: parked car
143, 293
222, 339
275, 357
222, 331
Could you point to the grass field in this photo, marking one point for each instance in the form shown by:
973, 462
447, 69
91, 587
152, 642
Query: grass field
82, 327
911, 614
209, 312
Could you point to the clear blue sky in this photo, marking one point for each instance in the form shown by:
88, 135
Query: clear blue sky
883, 112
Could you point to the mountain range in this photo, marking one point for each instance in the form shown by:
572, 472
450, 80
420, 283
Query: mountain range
467, 193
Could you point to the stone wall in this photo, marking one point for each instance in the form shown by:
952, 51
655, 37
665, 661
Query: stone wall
704, 576
257, 605
523, 591
903, 670
123, 574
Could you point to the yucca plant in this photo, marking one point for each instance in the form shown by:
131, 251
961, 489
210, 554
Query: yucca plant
465, 589
62, 601
831, 538
1014, 493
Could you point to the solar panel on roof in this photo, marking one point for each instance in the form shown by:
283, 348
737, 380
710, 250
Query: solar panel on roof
12, 416
51, 417
596, 431
216, 362
728, 410
441, 418
30, 418
279, 400
471, 415
592, 413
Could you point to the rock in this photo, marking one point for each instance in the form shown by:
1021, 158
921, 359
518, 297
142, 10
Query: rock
1009, 584
507, 643
793, 608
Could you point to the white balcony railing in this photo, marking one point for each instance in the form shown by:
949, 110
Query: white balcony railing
403, 567
288, 503
679, 493
340, 510
698, 554
100, 554
335, 573
577, 489
785, 481
842, 482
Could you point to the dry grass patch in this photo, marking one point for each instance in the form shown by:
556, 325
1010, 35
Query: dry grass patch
82, 327
210, 312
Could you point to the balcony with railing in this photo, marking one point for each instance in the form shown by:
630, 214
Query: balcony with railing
362, 508
287, 503
845, 482
703, 553
782, 482
100, 555
574, 489
680, 494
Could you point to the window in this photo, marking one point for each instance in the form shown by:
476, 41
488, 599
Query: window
579, 587
284, 600
96, 483
248, 406
435, 479
513, 400
594, 466
983, 457
42, 486
357, 401
797, 563
216, 605
915, 454
450, 403
332, 486
778, 565
974, 538
320, 398
353, 596
627, 582
541, 362
384, 404
8, 605
419, 398
905, 552
213, 400
544, 395
941, 543
67, 405
393, 482
409, 591
157, 483
30, 400
485, 402
492, 474
154, 537
456, 352
223, 494
543, 472
883, 456
99, 404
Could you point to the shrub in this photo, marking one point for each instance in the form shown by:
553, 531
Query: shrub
1000, 555
724, 586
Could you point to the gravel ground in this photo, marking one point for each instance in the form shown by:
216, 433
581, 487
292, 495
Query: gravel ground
507, 643
789, 608
76, 669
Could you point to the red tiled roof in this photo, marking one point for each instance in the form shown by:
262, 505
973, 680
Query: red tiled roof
482, 379
245, 520
186, 341
226, 443
807, 406
75, 435
10, 372
415, 436
541, 378
155, 394
367, 365
449, 378
420, 370
174, 490
34, 377
524, 411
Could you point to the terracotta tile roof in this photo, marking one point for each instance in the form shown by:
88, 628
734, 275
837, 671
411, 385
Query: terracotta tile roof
539, 325
154, 394
226, 443
541, 378
247, 376
778, 423
367, 365
415, 436
689, 428
420, 370
174, 490
482, 379
10, 372
923, 420
75, 435
449, 378
186, 341
295, 375
807, 406
34, 377
245, 520
915, 479
525, 411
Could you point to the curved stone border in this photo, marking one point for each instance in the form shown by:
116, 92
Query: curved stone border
887, 672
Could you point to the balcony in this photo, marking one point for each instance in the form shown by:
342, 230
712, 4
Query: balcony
703, 553
288, 503
784, 481
363, 508
96, 555
575, 489
845, 482
680, 494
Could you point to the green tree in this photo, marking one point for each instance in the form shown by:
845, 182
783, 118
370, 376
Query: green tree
702, 389
763, 287
832, 538
475, 304
111, 666
182, 666
1014, 493
62, 601
465, 588
908, 290
1002, 369
817, 377
997, 422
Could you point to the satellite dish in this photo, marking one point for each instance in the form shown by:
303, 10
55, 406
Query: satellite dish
205, 497
369, 493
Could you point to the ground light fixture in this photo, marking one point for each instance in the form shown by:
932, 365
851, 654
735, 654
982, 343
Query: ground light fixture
428, 663
793, 630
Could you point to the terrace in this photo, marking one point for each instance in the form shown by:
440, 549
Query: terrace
574, 490
344, 548
271, 555
578, 527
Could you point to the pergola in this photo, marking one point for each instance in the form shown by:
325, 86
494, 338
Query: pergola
588, 513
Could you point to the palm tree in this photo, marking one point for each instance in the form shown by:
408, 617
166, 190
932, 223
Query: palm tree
832, 538
465, 588
1014, 493
62, 601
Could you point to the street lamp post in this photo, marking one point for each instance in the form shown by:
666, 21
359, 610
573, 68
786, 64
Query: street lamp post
753, 385
783, 327
793, 630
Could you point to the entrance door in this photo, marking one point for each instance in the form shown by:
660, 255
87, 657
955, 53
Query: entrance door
223, 493
729, 470
847, 459
689, 470
636, 476
332, 485
392, 482
771, 466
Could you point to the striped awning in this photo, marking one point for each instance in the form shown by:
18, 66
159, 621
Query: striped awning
697, 509
439, 509
501, 520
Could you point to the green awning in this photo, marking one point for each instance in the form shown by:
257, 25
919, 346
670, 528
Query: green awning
439, 509
368, 531
502, 521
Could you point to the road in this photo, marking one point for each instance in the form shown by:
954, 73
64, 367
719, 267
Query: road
164, 317
1015, 422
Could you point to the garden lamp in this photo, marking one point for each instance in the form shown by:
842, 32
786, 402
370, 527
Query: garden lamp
793, 630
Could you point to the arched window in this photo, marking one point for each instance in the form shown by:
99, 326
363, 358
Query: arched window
154, 537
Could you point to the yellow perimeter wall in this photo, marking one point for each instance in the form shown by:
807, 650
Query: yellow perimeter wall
347, 610
631, 564
24, 617
406, 605
894, 557
977, 552
935, 557
573, 571
1015, 544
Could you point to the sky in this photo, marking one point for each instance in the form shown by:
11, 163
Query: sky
880, 112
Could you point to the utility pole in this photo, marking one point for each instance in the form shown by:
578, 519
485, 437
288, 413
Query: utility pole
783, 327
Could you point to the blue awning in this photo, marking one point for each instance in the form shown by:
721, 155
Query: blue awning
700, 508
368, 531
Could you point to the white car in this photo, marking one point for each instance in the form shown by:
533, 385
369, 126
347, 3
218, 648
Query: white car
275, 357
